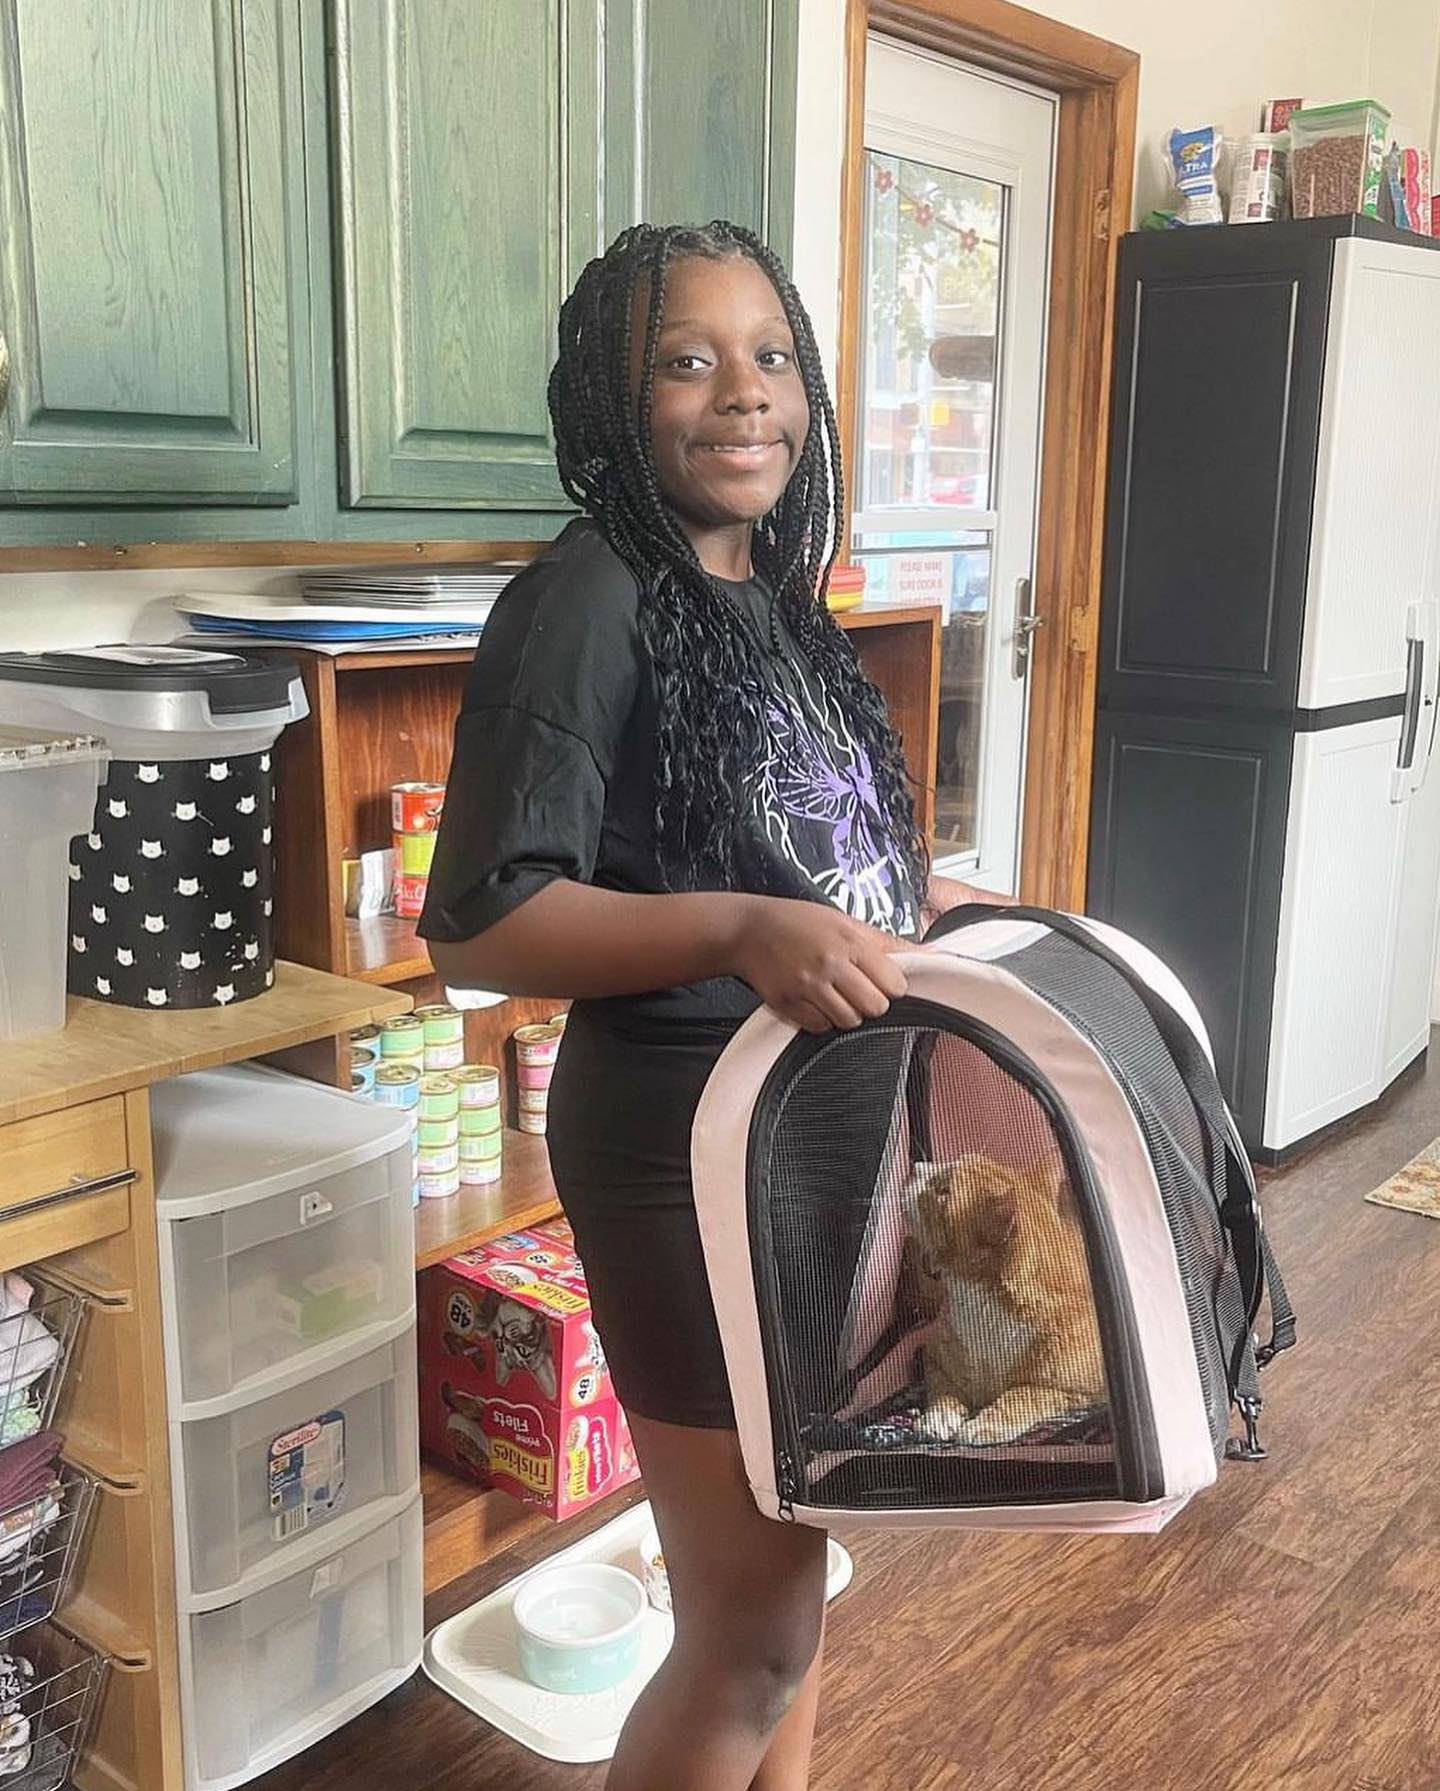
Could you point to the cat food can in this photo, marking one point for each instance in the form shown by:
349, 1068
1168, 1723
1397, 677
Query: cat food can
533, 1123
534, 1100
362, 1071
361, 1084
434, 1134
409, 896
480, 1122
440, 1187
416, 808
536, 1075
403, 1037
444, 1057
537, 1044
443, 1159
414, 854
444, 1025
439, 1098
479, 1085
479, 1147
366, 1038
397, 1085
480, 1173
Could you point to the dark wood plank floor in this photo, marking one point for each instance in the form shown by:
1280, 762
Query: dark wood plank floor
1284, 1632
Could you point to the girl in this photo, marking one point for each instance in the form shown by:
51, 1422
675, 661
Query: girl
674, 796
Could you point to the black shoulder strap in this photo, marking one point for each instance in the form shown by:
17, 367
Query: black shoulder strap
1239, 1211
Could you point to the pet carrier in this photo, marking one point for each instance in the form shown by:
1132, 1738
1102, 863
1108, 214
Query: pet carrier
994, 1260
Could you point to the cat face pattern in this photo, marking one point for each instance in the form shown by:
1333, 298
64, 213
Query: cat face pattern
170, 894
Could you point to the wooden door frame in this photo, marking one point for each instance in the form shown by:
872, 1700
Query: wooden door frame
1098, 85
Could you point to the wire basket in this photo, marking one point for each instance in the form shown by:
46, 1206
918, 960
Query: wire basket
41, 1538
36, 1346
46, 1711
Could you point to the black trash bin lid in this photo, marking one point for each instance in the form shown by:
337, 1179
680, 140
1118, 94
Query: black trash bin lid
232, 682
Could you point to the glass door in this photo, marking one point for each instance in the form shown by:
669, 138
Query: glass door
958, 182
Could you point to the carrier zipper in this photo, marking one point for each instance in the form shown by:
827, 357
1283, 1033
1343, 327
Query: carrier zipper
789, 1486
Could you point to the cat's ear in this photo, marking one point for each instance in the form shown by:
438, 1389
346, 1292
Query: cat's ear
1048, 1178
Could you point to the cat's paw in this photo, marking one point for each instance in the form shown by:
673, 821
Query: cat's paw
944, 1421
990, 1428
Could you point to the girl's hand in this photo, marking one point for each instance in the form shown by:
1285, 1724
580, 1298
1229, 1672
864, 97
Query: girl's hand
813, 965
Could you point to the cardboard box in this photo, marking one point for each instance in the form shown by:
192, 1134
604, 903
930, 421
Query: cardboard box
514, 1390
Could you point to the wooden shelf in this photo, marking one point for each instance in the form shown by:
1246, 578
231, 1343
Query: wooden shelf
385, 950
881, 615
524, 1197
376, 659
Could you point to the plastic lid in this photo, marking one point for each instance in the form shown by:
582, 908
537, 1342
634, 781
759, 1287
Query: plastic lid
23, 748
231, 681
1343, 109
224, 1138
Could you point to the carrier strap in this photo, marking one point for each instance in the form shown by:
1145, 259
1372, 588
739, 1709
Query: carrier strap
1239, 1211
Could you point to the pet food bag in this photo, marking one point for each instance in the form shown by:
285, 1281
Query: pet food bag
994, 1260
514, 1391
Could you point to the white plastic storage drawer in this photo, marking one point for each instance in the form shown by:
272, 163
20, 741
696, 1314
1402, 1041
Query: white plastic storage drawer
267, 1477
272, 1674
287, 1223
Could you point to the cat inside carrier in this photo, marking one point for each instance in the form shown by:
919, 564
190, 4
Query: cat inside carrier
996, 1259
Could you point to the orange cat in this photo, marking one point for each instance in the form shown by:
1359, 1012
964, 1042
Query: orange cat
1014, 1342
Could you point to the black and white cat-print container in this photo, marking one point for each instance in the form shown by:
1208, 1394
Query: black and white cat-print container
171, 895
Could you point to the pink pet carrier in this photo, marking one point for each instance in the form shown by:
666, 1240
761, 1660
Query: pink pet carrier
995, 1260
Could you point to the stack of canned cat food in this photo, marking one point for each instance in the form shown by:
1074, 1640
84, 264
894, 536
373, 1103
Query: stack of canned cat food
536, 1049
415, 815
416, 1062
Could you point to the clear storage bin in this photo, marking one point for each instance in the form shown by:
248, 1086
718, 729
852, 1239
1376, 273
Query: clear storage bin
286, 1226
1337, 159
272, 1674
48, 786
266, 1478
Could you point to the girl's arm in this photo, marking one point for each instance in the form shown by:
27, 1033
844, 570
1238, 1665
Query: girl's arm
945, 893
810, 963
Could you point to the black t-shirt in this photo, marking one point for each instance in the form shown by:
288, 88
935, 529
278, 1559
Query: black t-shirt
553, 774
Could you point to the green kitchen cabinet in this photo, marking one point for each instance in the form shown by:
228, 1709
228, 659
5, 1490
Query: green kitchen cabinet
153, 294
483, 155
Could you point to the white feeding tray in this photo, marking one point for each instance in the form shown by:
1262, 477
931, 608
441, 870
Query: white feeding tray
475, 1656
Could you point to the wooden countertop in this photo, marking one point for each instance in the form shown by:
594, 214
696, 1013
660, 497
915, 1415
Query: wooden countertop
106, 1050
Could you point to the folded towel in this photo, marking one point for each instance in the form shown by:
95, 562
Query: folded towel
27, 1346
27, 1468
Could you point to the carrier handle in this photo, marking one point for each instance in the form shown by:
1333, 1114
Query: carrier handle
1240, 1212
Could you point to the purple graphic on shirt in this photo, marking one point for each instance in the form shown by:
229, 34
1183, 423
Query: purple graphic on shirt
823, 774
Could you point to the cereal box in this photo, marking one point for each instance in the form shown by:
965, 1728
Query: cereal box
513, 1385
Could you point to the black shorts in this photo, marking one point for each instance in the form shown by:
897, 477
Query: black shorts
620, 1114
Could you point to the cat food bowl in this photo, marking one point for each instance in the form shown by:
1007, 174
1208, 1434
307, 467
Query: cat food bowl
838, 1570
652, 1571
580, 1626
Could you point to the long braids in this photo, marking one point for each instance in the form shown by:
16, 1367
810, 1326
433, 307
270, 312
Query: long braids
708, 664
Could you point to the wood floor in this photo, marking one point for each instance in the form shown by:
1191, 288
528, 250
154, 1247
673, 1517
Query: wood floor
1285, 1632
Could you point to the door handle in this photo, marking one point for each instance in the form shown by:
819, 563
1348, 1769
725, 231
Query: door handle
1026, 622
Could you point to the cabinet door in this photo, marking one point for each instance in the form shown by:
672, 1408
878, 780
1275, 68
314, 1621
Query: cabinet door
1187, 848
468, 150
1344, 862
700, 110
1376, 545
148, 157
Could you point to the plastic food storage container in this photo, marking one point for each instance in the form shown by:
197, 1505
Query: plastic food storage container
1337, 156
260, 1484
273, 1673
286, 1227
48, 785
171, 890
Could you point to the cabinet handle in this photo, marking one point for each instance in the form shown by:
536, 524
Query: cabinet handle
4, 370
80, 1188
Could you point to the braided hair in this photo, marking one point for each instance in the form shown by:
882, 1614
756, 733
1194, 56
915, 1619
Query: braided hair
707, 658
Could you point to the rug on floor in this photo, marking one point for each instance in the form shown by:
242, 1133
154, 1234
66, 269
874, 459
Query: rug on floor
1416, 1187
